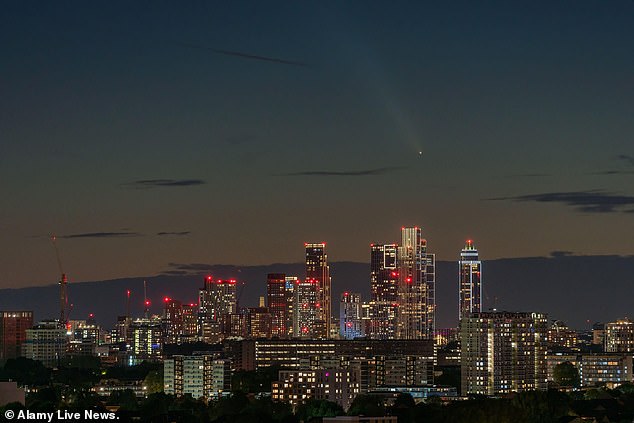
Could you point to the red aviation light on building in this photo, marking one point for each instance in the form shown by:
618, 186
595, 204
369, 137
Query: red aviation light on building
305, 329
408, 280
345, 294
91, 315
349, 324
166, 299
192, 305
147, 302
232, 281
395, 274
318, 305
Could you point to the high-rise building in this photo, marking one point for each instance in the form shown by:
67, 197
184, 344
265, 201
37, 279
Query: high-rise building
277, 303
190, 323
147, 339
503, 352
122, 332
470, 281
350, 316
173, 327
259, 322
46, 342
318, 271
13, 328
291, 281
201, 376
384, 283
619, 336
216, 299
416, 293
304, 309
560, 335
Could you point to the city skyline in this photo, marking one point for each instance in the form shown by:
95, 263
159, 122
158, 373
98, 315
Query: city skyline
148, 138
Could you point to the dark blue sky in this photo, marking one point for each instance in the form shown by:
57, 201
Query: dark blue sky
119, 122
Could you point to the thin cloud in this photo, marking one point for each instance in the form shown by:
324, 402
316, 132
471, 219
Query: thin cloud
366, 172
100, 235
528, 175
183, 233
558, 254
595, 201
627, 158
158, 183
201, 268
613, 172
248, 56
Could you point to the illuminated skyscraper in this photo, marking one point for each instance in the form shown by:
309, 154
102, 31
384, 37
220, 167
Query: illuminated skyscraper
216, 299
350, 316
291, 282
470, 280
318, 271
172, 321
305, 310
383, 305
416, 293
277, 303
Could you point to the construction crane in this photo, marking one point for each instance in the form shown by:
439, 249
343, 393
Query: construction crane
63, 282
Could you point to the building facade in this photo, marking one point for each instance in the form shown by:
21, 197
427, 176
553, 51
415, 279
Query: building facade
384, 285
13, 326
318, 272
503, 352
470, 281
46, 342
217, 299
351, 325
277, 303
201, 376
416, 293
619, 336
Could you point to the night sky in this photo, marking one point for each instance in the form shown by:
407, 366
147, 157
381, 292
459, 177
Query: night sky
152, 134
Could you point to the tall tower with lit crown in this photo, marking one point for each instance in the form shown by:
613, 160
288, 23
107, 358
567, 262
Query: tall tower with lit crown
318, 272
470, 281
416, 305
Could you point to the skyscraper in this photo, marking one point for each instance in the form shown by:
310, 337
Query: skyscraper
470, 280
384, 284
172, 321
277, 304
416, 310
305, 310
291, 282
215, 300
318, 271
350, 316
